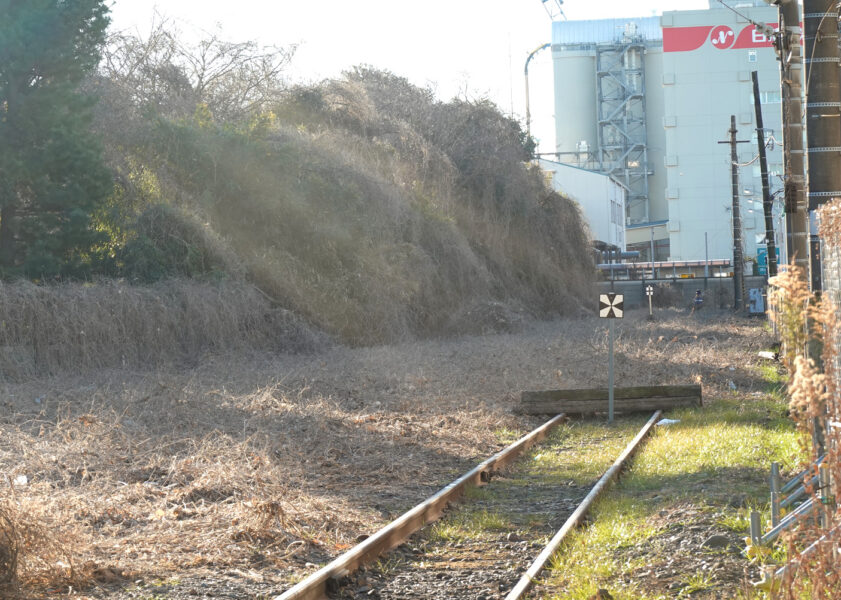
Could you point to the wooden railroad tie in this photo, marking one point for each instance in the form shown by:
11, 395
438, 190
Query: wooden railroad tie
626, 400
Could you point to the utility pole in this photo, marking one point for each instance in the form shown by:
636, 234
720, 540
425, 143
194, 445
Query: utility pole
791, 66
770, 243
738, 259
823, 112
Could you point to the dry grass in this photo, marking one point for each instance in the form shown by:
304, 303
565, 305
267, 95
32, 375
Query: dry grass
364, 205
809, 330
48, 329
262, 464
8, 546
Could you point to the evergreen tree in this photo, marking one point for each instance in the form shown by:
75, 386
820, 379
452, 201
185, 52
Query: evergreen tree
52, 177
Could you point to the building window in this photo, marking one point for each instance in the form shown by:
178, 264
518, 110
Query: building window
768, 97
752, 56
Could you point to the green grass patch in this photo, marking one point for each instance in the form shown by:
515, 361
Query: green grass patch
574, 454
695, 583
738, 520
713, 454
580, 451
506, 435
468, 524
773, 374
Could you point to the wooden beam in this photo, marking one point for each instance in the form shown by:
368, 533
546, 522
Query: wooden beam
627, 399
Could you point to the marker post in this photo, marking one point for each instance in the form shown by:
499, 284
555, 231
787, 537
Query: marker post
611, 306
610, 374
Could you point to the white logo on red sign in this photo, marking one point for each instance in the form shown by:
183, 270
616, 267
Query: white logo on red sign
722, 37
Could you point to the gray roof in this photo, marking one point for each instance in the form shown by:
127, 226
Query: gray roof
599, 31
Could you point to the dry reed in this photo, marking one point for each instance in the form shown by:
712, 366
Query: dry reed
47, 329
810, 337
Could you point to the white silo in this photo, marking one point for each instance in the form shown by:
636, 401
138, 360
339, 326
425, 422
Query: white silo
575, 103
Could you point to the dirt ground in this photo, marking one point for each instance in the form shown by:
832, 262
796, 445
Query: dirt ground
238, 475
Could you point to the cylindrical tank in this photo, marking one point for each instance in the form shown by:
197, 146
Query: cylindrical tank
632, 62
575, 100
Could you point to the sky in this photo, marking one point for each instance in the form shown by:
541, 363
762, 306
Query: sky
463, 48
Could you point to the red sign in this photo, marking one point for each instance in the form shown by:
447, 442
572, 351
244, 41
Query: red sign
722, 37
686, 39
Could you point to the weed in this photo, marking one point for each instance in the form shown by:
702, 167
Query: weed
389, 564
695, 583
446, 531
738, 521
809, 329
468, 524
506, 435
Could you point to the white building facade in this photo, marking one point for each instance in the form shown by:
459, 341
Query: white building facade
648, 100
602, 200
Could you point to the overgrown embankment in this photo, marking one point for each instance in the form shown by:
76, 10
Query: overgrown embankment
365, 205
174, 482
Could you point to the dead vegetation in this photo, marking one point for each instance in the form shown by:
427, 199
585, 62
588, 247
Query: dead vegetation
261, 464
810, 335
363, 204
59, 328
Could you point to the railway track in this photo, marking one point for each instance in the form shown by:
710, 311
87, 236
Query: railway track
453, 561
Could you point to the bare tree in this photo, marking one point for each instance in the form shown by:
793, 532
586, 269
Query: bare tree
158, 71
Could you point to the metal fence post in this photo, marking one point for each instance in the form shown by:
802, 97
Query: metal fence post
755, 528
775, 494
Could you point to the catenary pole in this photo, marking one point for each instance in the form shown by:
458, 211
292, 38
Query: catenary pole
770, 243
791, 76
823, 112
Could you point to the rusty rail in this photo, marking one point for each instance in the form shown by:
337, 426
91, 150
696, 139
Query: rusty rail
395, 533
539, 563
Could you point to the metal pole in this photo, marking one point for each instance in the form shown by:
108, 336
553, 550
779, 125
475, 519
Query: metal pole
823, 109
610, 373
770, 244
775, 494
791, 63
652, 251
755, 528
526, 71
827, 501
706, 256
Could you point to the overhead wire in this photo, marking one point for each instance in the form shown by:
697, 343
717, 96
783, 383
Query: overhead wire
768, 143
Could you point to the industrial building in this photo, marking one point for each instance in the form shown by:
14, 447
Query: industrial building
602, 200
647, 101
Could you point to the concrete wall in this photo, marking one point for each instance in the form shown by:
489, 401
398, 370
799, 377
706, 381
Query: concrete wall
717, 291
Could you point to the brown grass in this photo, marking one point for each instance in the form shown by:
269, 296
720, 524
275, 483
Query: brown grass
365, 206
809, 330
48, 329
262, 464
8, 546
